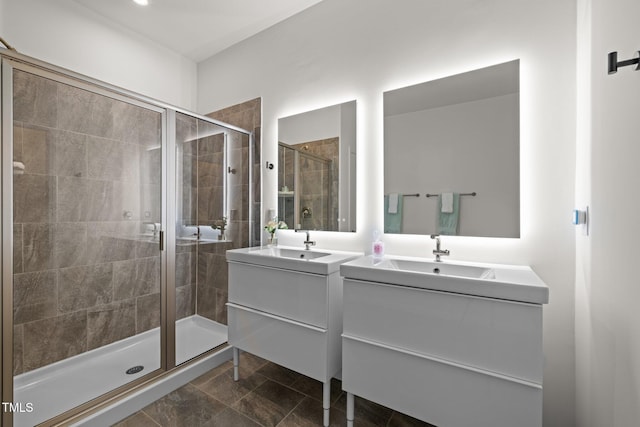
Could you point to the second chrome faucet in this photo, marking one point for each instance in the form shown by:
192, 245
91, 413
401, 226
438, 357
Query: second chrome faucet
437, 251
308, 242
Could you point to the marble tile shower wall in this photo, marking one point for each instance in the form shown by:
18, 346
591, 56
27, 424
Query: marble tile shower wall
92, 177
212, 293
248, 115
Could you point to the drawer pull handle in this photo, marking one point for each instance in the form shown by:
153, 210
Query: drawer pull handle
273, 316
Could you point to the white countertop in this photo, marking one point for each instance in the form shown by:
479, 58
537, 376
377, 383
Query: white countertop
294, 259
509, 282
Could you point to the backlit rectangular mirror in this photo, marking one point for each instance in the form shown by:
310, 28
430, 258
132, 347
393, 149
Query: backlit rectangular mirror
317, 169
452, 155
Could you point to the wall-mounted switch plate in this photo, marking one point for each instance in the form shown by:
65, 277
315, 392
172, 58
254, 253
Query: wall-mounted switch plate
581, 217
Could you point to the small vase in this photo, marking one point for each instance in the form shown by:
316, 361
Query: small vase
272, 240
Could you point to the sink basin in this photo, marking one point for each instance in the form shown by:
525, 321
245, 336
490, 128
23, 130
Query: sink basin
444, 269
508, 282
300, 254
325, 261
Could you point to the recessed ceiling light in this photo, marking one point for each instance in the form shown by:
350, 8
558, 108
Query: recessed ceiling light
141, 2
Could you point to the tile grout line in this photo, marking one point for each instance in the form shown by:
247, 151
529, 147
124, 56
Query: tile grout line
246, 416
293, 409
290, 387
268, 378
148, 416
245, 395
209, 394
331, 405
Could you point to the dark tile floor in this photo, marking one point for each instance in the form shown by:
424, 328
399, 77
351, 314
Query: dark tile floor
267, 395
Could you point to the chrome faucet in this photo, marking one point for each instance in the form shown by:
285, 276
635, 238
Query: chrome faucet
308, 242
155, 227
437, 251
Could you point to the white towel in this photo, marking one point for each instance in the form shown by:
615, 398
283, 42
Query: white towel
447, 202
393, 203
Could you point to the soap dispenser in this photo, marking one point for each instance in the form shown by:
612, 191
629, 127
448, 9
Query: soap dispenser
377, 247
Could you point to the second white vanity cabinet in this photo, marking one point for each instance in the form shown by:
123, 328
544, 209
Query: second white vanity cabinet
461, 358
285, 305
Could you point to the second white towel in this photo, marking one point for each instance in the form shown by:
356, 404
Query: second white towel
393, 203
447, 202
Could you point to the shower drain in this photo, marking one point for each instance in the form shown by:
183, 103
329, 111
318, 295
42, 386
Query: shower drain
135, 369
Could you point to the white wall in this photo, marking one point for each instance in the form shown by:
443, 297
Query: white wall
341, 50
69, 35
310, 126
607, 283
463, 148
2, 18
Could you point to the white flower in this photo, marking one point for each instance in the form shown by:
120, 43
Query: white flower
274, 225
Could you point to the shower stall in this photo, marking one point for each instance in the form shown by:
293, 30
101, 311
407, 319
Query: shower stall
117, 211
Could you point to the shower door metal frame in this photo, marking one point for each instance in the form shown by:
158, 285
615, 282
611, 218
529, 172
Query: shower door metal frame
168, 293
6, 234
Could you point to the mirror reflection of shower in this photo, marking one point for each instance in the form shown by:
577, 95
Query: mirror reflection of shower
307, 191
320, 156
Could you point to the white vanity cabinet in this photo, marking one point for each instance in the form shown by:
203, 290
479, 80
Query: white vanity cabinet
453, 359
286, 307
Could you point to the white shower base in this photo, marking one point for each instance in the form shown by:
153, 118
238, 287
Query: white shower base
56, 388
195, 335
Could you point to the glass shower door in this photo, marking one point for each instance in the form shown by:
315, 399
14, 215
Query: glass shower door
201, 231
87, 218
212, 216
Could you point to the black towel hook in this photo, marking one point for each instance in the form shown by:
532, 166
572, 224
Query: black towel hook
614, 64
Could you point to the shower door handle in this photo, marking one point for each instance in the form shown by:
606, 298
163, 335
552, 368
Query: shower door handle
161, 240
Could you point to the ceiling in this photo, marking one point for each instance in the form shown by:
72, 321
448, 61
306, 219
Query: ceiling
197, 29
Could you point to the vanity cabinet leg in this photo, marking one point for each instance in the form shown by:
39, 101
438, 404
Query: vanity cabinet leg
236, 363
350, 409
326, 401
